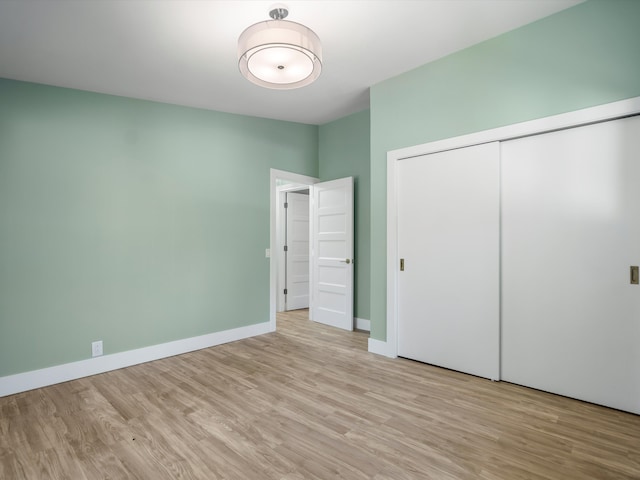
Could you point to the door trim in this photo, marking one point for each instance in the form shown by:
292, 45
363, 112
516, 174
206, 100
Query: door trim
600, 113
293, 178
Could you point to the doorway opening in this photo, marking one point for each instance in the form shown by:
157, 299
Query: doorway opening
292, 225
281, 183
330, 269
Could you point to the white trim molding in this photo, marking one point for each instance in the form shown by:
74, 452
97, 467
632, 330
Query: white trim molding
362, 324
600, 113
22, 382
381, 348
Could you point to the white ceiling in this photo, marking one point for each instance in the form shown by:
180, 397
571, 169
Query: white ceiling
184, 51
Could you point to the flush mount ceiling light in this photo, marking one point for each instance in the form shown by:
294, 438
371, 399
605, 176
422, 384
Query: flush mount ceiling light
279, 54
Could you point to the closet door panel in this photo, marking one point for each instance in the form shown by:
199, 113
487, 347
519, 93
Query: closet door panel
448, 236
570, 232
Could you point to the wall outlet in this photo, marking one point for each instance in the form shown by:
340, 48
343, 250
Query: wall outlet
96, 348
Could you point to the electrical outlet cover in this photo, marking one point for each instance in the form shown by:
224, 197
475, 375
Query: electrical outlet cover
96, 348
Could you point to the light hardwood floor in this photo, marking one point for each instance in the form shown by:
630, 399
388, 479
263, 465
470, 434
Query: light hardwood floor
307, 402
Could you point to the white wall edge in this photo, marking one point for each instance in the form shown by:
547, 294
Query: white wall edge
599, 113
22, 382
381, 348
362, 324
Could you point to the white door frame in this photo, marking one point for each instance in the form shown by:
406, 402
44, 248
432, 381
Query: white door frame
292, 178
599, 113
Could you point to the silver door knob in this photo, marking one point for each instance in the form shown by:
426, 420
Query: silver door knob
347, 261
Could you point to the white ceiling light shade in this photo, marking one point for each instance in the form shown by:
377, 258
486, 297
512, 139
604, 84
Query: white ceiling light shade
279, 54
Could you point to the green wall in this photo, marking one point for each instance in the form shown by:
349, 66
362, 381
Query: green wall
131, 222
581, 57
139, 223
344, 152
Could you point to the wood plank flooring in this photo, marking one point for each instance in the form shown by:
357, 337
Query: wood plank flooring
307, 402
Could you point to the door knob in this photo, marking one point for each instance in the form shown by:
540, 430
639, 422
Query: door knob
347, 261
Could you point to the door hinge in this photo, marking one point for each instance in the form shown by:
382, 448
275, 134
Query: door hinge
402, 264
286, 249
286, 204
285, 291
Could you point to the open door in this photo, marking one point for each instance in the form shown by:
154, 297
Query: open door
297, 250
332, 253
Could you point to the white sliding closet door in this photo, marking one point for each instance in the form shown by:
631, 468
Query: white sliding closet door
570, 232
448, 236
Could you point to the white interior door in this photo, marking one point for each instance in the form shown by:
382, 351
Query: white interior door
297, 251
571, 232
448, 238
332, 253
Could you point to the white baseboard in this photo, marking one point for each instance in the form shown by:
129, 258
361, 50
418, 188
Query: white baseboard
381, 348
363, 324
22, 382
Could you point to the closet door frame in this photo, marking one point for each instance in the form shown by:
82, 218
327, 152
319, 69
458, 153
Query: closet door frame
610, 111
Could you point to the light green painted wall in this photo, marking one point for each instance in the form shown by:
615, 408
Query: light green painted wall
581, 57
344, 151
131, 222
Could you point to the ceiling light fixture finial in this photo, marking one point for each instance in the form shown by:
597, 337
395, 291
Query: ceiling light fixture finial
279, 12
278, 53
